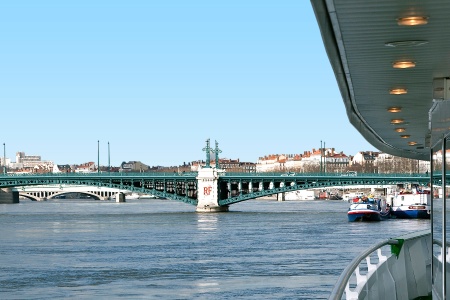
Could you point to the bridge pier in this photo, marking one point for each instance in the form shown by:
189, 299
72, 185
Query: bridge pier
120, 197
7, 196
208, 190
281, 196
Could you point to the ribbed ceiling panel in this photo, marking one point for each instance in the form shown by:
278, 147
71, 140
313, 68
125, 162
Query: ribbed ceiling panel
360, 30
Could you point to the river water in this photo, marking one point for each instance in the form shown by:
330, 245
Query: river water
162, 249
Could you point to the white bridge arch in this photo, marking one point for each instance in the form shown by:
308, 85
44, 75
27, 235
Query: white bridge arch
44, 192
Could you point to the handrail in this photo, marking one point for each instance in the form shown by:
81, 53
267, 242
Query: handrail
439, 243
344, 278
227, 174
342, 281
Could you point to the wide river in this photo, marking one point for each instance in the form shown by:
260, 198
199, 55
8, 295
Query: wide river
162, 249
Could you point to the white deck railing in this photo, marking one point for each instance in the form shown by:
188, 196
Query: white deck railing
397, 268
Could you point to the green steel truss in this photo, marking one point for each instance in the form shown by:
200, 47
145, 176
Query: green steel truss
233, 187
266, 184
163, 185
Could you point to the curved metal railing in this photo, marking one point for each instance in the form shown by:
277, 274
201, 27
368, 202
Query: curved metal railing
342, 287
343, 280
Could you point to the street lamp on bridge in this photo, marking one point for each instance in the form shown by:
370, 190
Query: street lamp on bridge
109, 161
98, 156
321, 156
4, 158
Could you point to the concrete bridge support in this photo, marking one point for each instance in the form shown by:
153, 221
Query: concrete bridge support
120, 197
7, 196
281, 196
208, 190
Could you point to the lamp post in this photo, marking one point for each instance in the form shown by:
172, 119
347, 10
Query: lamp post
217, 151
4, 158
98, 156
207, 149
321, 157
109, 161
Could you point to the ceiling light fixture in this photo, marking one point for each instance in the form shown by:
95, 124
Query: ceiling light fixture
403, 64
405, 136
394, 109
412, 143
405, 43
400, 129
412, 21
397, 121
399, 91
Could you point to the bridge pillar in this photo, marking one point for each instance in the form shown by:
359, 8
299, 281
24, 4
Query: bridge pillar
120, 197
208, 190
281, 196
7, 196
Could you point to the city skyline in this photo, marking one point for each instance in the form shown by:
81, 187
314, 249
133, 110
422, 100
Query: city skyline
327, 152
156, 80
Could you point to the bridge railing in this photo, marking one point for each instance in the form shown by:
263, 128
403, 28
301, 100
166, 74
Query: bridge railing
294, 174
95, 174
436, 175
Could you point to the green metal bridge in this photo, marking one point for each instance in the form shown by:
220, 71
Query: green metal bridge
232, 187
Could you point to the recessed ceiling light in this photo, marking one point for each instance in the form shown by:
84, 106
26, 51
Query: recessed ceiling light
397, 121
400, 129
403, 64
405, 43
412, 143
399, 91
412, 21
405, 136
394, 109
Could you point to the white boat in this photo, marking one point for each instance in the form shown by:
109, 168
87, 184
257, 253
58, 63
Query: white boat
414, 204
350, 196
146, 196
368, 209
300, 195
133, 196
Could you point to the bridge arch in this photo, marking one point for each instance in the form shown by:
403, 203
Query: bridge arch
234, 189
93, 195
30, 197
177, 187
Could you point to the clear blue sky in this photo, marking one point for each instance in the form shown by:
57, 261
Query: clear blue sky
157, 78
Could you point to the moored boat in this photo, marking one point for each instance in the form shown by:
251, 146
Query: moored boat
414, 204
368, 209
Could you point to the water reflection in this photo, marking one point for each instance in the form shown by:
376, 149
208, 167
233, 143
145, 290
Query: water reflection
207, 286
207, 222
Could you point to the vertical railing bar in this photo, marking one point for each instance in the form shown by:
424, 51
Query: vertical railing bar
444, 219
431, 210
